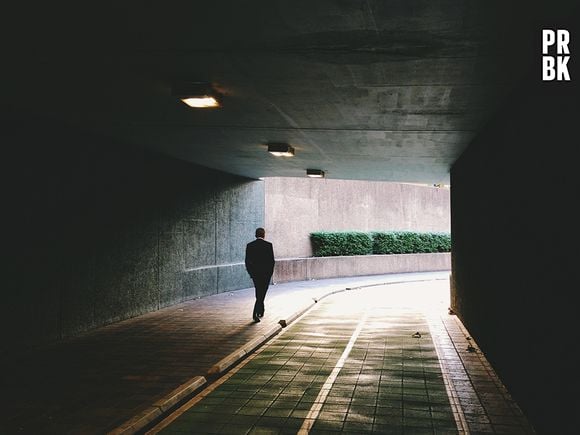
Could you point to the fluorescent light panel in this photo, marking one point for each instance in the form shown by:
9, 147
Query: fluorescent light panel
199, 95
280, 150
202, 101
315, 173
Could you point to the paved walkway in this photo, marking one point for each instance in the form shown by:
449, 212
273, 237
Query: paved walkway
121, 376
350, 365
384, 360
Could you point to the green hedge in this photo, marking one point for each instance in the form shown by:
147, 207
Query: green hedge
326, 243
409, 242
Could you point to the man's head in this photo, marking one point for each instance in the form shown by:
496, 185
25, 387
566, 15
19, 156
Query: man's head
260, 232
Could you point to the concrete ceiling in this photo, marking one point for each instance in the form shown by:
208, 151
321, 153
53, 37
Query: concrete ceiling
379, 90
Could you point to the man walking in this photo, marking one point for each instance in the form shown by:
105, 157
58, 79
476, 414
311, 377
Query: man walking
260, 266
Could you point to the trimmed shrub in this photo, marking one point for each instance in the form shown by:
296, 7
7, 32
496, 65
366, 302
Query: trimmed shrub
410, 242
327, 244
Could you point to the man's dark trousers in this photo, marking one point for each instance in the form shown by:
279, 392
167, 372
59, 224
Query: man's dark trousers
261, 283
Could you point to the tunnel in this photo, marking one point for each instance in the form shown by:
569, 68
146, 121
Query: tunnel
121, 200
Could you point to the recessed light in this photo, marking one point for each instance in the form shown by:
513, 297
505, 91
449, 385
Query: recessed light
203, 101
199, 95
280, 150
315, 173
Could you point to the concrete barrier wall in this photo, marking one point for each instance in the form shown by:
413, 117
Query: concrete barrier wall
295, 207
301, 269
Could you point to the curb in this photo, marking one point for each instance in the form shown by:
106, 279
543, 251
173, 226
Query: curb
238, 354
225, 363
159, 409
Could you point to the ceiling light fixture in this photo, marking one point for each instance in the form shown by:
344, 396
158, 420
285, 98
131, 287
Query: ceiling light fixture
199, 95
280, 150
203, 101
315, 173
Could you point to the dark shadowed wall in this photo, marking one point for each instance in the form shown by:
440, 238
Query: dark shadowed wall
99, 232
515, 249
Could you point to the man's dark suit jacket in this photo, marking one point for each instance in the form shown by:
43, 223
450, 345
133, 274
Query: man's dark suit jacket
260, 258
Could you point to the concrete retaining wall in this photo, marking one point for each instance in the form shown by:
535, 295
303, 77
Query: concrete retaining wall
301, 269
295, 207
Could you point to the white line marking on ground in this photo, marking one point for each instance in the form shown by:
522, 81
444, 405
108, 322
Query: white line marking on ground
222, 379
458, 414
321, 398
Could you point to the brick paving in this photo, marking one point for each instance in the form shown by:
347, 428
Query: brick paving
96, 382
485, 402
385, 360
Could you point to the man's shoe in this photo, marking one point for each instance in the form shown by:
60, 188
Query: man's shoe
256, 319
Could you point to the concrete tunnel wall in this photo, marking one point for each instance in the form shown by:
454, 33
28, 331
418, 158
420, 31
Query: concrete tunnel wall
515, 249
99, 232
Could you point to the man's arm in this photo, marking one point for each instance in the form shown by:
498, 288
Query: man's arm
248, 261
272, 261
